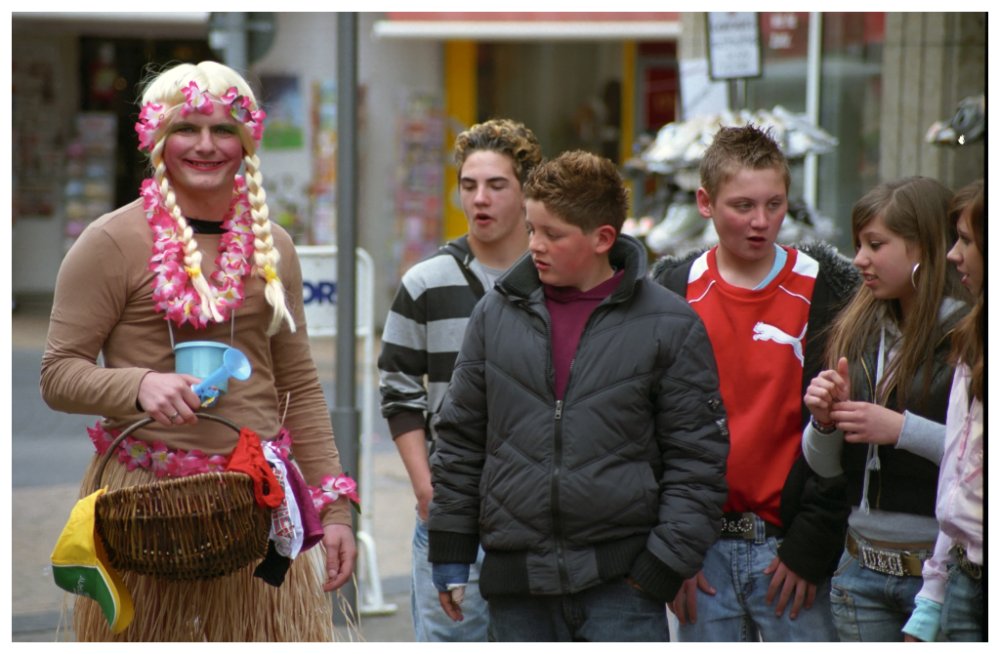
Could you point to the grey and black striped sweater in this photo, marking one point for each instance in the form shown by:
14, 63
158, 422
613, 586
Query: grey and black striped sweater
423, 334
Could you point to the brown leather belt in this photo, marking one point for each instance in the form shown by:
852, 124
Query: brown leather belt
973, 570
895, 559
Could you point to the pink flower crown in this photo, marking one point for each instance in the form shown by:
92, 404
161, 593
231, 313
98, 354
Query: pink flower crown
153, 114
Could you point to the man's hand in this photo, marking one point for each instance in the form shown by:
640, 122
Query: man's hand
451, 602
685, 605
450, 580
788, 583
412, 446
424, 495
341, 551
167, 398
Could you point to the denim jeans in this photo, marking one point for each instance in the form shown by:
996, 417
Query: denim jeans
871, 606
613, 611
739, 612
430, 623
962, 611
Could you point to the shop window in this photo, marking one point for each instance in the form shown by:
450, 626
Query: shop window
542, 85
112, 72
850, 97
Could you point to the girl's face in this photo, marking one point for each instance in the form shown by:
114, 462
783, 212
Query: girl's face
967, 257
885, 260
203, 153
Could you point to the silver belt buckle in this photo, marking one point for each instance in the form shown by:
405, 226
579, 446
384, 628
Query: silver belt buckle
742, 528
974, 570
890, 563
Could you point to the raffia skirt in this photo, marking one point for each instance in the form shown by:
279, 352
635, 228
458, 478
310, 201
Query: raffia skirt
238, 607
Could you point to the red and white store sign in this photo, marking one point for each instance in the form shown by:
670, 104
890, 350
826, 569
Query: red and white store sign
644, 25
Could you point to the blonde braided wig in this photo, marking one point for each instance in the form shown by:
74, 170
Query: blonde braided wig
166, 94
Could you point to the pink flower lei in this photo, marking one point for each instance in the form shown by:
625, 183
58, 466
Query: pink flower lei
173, 292
153, 115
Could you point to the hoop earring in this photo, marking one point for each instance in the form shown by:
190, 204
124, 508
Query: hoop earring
913, 275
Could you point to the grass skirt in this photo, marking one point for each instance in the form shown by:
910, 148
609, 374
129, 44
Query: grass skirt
238, 607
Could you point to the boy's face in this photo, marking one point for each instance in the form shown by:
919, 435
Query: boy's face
747, 212
202, 154
491, 198
563, 254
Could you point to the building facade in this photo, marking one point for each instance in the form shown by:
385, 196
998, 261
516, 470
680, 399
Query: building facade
602, 82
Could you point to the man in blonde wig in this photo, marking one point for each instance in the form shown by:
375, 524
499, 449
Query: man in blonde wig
196, 258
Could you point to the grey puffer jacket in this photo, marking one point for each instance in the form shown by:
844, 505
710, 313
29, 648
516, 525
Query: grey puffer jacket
623, 477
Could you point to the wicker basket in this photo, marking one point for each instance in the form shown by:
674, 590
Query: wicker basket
196, 527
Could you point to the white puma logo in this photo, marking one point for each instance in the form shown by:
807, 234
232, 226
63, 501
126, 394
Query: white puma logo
765, 332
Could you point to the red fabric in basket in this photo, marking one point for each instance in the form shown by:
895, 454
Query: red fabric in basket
248, 457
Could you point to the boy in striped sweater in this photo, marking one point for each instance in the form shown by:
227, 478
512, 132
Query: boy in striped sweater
424, 329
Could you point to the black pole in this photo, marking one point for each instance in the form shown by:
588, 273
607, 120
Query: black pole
345, 415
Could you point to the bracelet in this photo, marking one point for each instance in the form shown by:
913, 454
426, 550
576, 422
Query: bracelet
822, 428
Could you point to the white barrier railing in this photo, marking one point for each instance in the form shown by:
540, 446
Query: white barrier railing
319, 295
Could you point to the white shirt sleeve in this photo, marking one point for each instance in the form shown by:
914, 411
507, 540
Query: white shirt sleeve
822, 451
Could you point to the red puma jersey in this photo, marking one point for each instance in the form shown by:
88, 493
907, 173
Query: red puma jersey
759, 340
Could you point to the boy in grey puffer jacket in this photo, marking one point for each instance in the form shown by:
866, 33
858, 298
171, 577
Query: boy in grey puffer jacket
582, 440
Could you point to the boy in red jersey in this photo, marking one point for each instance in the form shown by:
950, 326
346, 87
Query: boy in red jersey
764, 306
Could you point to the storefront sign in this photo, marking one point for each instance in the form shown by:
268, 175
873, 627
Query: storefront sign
733, 45
319, 289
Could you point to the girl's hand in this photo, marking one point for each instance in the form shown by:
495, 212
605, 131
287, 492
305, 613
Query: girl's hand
864, 422
826, 389
168, 398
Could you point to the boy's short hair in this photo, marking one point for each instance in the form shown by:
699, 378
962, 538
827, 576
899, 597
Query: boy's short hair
504, 136
581, 188
738, 148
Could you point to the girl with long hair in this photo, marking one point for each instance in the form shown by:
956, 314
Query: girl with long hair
878, 411
951, 602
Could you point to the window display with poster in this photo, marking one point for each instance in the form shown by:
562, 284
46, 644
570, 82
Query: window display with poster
323, 188
285, 112
419, 182
89, 190
38, 131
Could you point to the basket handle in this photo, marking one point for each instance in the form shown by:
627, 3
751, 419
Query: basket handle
99, 473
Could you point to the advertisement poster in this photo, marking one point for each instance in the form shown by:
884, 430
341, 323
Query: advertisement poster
323, 188
285, 125
419, 181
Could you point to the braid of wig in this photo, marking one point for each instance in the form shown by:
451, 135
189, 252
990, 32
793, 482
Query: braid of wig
266, 256
192, 256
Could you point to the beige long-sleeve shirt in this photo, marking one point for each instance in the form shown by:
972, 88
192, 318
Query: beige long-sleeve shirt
103, 306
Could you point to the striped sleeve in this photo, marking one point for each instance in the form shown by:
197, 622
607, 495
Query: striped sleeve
420, 341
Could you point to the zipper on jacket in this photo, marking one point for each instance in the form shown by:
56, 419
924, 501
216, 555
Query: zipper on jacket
556, 522
874, 399
557, 448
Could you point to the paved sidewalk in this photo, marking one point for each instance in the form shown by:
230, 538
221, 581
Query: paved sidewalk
40, 511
